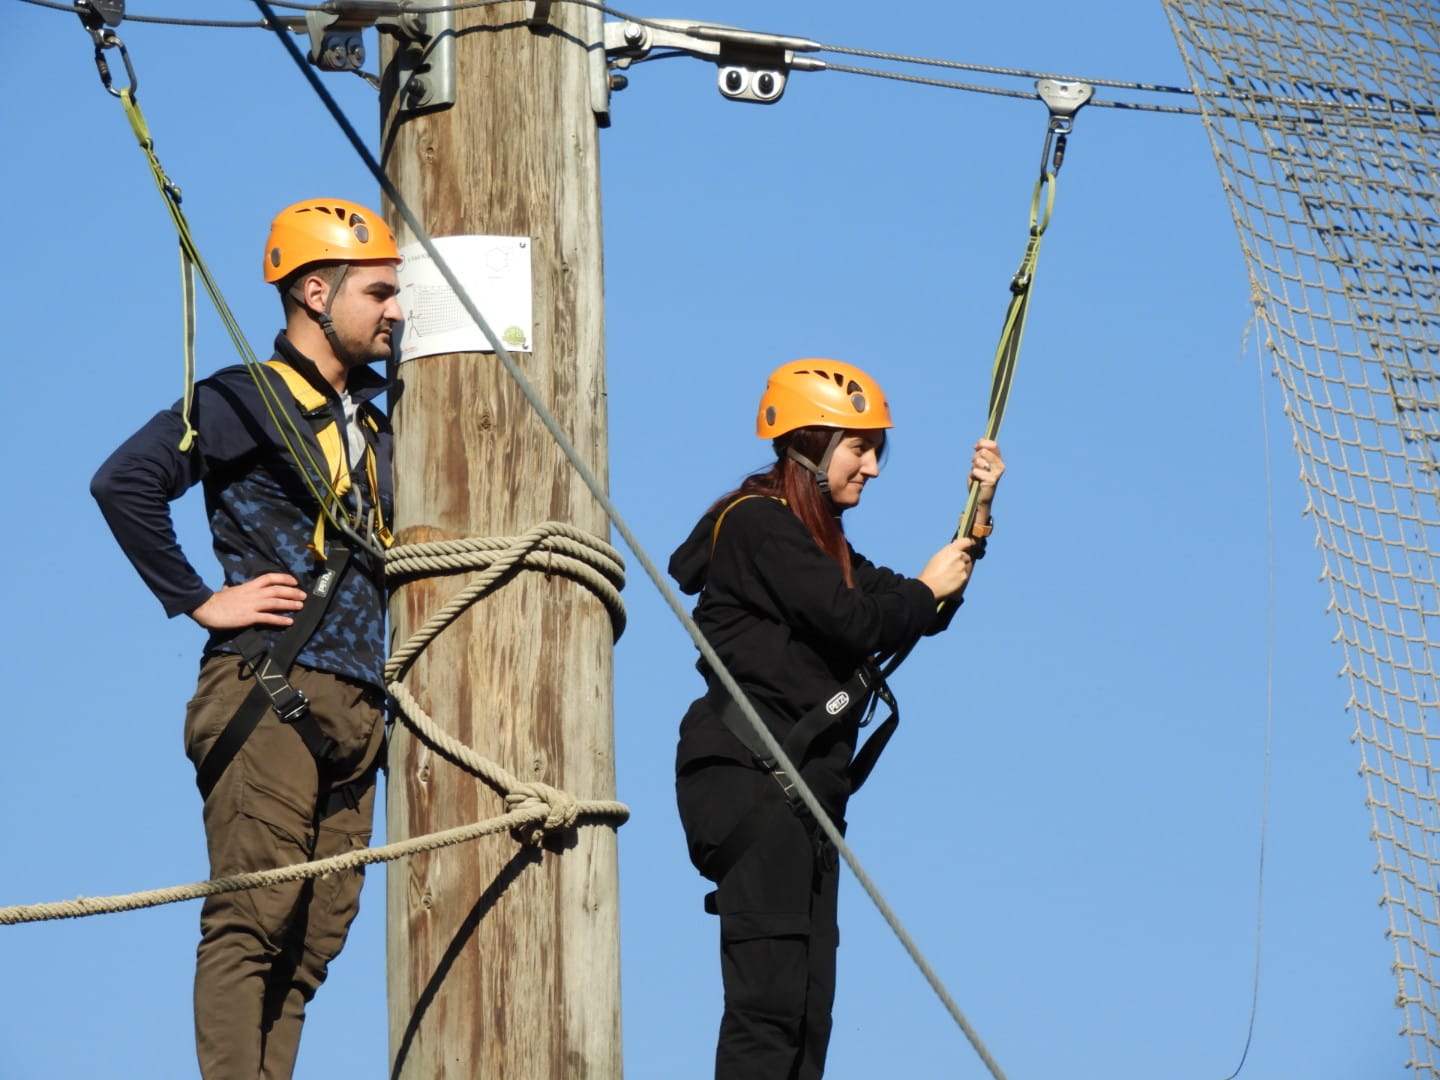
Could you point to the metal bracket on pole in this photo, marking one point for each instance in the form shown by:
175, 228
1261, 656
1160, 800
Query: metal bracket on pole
425, 62
752, 66
598, 73
425, 57
335, 37
540, 12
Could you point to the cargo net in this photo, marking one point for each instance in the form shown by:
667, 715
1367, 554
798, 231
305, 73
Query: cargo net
1321, 117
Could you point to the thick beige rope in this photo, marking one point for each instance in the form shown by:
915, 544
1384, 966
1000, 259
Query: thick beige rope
532, 808
552, 547
259, 879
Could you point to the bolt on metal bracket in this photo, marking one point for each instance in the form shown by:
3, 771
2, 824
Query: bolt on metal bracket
336, 43
425, 62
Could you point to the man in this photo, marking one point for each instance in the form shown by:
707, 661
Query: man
295, 463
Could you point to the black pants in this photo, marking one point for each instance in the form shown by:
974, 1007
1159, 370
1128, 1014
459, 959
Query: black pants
778, 928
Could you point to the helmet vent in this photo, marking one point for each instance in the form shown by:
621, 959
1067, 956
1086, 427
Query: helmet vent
770, 416
857, 401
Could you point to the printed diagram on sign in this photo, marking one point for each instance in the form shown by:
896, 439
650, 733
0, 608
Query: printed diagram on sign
495, 271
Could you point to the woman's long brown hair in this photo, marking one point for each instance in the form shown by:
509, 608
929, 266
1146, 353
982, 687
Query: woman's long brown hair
789, 480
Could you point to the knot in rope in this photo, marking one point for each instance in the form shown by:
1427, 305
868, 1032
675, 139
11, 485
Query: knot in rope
551, 547
562, 808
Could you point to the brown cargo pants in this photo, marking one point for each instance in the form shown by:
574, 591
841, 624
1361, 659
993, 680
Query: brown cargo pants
263, 953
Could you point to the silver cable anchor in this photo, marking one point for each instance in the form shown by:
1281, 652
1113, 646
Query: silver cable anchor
1064, 100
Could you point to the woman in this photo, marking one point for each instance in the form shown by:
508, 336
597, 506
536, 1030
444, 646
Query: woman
794, 613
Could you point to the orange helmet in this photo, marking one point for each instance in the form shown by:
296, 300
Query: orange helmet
820, 393
325, 230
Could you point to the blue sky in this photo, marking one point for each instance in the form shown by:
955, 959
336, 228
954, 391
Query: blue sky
1069, 819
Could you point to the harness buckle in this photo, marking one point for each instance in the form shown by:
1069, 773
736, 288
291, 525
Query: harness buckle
787, 786
293, 709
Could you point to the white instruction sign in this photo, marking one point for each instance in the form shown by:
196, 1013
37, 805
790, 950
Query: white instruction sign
495, 273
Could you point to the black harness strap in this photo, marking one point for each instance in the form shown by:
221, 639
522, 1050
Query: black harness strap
864, 688
271, 688
865, 758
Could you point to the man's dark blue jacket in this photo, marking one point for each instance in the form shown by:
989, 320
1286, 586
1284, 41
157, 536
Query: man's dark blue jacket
261, 512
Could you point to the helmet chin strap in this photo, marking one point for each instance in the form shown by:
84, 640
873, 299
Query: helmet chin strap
821, 471
327, 325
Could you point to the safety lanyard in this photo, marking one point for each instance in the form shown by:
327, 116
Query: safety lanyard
1064, 100
313, 473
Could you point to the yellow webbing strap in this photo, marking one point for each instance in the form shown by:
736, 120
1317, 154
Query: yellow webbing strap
333, 447
975, 520
715, 532
188, 257
187, 294
337, 471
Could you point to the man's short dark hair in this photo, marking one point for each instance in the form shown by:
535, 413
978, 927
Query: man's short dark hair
328, 272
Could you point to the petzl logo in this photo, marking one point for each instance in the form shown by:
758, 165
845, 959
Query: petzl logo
838, 704
322, 587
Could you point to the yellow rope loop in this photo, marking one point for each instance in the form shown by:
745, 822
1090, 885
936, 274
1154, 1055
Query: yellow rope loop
562, 809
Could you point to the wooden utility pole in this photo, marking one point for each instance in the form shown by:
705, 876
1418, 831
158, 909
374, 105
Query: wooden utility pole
504, 958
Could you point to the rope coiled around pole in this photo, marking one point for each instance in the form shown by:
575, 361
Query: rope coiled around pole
532, 808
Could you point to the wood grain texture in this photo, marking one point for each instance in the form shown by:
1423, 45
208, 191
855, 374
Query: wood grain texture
504, 959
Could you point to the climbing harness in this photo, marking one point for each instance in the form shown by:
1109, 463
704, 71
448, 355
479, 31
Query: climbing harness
854, 702
270, 667
317, 409
272, 688
1064, 100
327, 478
868, 687
860, 694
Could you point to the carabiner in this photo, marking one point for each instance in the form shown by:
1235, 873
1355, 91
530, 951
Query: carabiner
108, 39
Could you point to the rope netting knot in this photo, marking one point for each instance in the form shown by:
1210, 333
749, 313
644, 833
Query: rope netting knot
1321, 118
